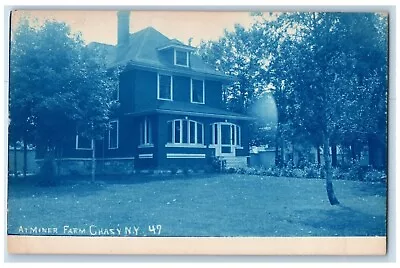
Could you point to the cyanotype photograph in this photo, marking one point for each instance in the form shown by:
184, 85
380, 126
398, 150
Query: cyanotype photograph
213, 124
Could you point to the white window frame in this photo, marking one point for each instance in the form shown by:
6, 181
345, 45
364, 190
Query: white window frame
109, 135
170, 89
191, 91
77, 144
180, 131
143, 132
188, 143
187, 58
237, 134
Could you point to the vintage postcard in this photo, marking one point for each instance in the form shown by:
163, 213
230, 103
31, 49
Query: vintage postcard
198, 132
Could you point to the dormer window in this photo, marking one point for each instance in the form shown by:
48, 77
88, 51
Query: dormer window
181, 58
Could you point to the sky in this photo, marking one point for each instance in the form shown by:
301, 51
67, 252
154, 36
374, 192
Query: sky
101, 26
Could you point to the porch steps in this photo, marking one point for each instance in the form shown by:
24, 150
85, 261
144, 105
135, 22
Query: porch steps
235, 161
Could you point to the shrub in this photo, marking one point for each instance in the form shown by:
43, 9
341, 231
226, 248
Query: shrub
251, 171
339, 174
187, 171
375, 176
312, 171
174, 170
216, 164
299, 173
241, 171
357, 171
286, 172
231, 170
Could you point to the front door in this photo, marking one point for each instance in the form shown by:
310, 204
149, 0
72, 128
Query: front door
224, 140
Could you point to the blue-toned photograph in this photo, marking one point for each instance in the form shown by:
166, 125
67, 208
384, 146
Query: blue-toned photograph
198, 124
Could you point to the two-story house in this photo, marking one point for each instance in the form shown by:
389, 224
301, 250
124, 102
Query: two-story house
171, 112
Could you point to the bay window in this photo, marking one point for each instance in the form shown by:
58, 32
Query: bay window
183, 131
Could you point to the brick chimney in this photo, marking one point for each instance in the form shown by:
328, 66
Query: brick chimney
123, 27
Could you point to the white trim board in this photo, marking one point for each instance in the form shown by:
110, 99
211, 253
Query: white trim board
193, 156
185, 145
89, 159
145, 156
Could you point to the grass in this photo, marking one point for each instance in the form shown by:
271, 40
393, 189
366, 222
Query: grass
201, 205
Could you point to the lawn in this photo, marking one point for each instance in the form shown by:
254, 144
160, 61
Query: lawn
199, 205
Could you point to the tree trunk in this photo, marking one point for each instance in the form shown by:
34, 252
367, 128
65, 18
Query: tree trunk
353, 151
293, 162
93, 161
318, 156
342, 161
25, 158
372, 149
334, 155
57, 159
277, 161
283, 160
328, 173
15, 160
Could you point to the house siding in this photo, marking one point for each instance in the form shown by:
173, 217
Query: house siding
145, 91
244, 128
181, 90
196, 163
127, 90
127, 136
213, 94
148, 162
138, 98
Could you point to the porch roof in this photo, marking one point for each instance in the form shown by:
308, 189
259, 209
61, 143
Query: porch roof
177, 107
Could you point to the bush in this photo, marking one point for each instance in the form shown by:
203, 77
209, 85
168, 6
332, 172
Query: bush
241, 171
286, 172
216, 164
174, 170
312, 171
375, 176
231, 170
357, 171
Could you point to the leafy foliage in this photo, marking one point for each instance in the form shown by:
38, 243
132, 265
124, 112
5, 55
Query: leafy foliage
57, 85
326, 71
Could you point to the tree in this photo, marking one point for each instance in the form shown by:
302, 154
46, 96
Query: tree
326, 52
326, 71
57, 86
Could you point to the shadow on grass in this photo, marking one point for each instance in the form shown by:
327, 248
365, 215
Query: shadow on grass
345, 221
149, 178
83, 186
372, 189
34, 186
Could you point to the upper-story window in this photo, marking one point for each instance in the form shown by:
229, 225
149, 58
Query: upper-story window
113, 134
181, 58
164, 87
197, 92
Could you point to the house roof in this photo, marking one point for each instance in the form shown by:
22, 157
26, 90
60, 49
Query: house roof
178, 44
143, 52
202, 110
